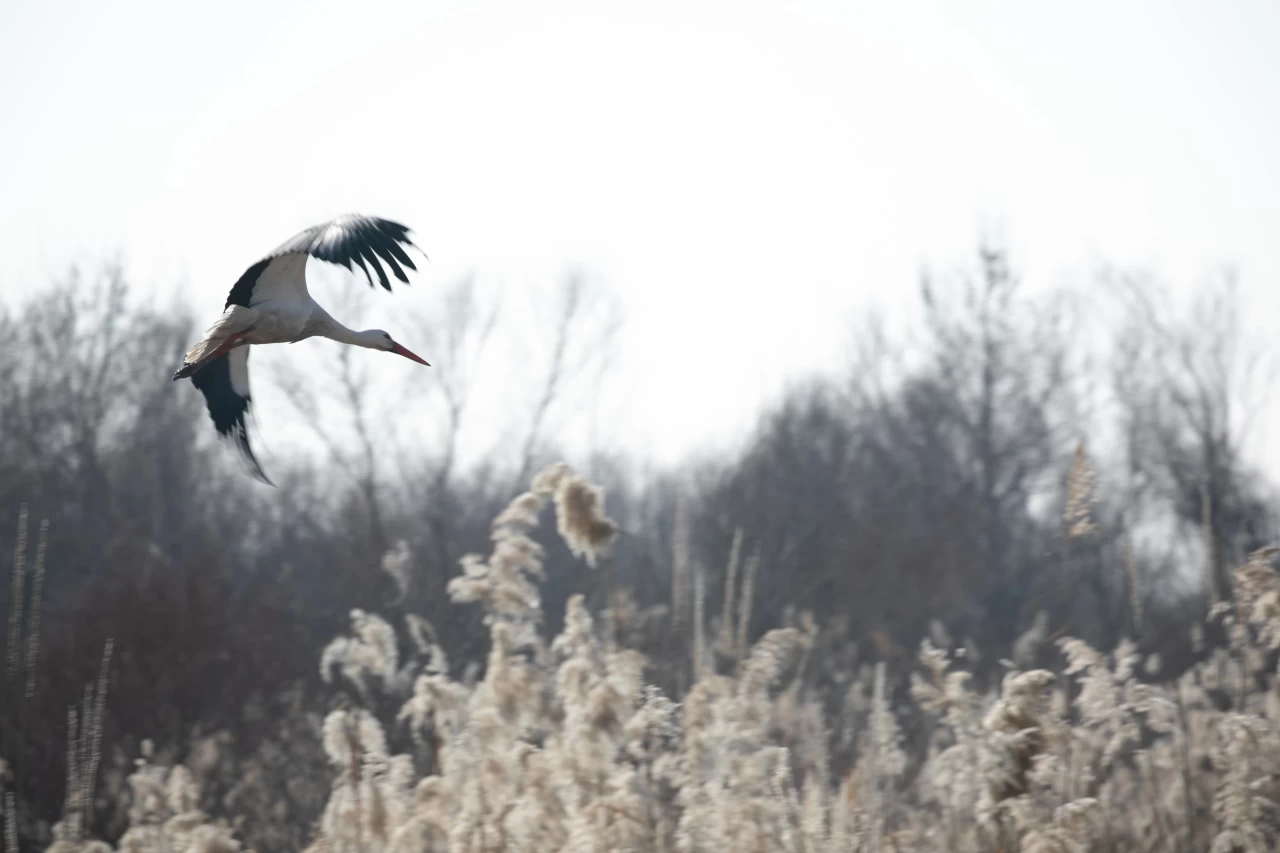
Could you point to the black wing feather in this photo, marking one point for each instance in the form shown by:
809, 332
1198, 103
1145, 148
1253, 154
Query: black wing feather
387, 248
363, 241
227, 408
371, 256
400, 255
242, 290
364, 269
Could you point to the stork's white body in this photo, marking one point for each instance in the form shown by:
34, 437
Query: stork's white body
270, 304
279, 311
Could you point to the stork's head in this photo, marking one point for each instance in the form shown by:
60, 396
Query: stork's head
378, 339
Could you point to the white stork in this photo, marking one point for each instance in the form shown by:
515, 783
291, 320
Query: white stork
270, 304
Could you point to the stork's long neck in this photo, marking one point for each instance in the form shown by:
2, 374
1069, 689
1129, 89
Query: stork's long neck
334, 330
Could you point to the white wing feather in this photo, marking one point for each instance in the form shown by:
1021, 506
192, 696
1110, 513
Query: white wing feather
284, 281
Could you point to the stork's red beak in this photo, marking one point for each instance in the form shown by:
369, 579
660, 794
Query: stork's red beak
399, 350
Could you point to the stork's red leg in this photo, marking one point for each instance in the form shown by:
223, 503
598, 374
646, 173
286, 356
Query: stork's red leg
226, 347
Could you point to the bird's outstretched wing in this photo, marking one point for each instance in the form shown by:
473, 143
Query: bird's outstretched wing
353, 238
225, 385
350, 239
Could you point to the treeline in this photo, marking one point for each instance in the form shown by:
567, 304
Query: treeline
928, 482
935, 484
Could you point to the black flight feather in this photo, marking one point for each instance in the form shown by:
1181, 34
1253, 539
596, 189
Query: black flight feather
242, 290
355, 240
227, 408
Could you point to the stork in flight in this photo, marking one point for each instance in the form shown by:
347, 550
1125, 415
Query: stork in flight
270, 305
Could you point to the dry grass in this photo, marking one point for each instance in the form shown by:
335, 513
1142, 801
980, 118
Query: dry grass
561, 745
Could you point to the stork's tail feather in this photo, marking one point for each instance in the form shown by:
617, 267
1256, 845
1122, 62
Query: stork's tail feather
206, 352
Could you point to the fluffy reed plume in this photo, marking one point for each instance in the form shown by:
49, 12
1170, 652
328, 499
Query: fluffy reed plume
369, 652
1246, 817
504, 584
956, 746
1257, 596
371, 794
397, 563
1078, 515
581, 520
1019, 729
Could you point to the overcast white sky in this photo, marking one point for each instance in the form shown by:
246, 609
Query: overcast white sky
744, 174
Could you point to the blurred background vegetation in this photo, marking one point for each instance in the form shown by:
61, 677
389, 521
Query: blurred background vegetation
919, 489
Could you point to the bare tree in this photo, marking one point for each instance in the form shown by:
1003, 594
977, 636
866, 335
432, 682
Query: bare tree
1005, 378
1190, 387
908, 490
460, 336
581, 349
